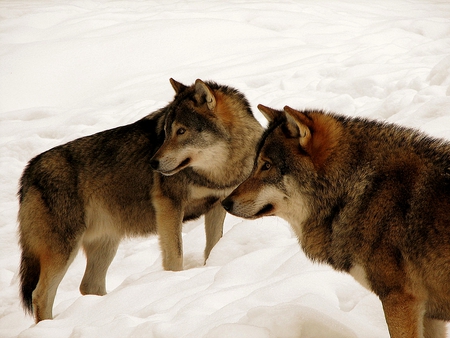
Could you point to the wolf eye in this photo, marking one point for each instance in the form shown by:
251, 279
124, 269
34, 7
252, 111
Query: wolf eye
181, 131
266, 166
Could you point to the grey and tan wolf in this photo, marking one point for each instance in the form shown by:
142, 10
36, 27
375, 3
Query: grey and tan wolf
369, 198
144, 178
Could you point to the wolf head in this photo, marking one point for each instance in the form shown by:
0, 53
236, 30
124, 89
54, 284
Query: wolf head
199, 127
292, 154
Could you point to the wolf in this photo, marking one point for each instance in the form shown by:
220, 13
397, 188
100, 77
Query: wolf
368, 198
144, 178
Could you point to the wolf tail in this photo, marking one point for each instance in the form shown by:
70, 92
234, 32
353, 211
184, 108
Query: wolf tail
30, 269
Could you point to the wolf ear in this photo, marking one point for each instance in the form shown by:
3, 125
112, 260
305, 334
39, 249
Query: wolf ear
269, 113
203, 92
303, 123
177, 86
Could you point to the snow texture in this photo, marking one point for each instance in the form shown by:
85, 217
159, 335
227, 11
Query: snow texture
76, 67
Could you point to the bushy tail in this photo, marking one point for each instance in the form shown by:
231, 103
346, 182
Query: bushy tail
29, 276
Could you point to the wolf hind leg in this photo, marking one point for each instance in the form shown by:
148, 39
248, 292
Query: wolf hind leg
404, 315
434, 328
53, 267
213, 227
99, 255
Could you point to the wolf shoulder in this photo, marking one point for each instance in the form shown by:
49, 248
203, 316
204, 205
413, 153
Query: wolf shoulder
399, 176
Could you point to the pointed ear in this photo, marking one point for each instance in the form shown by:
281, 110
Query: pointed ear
204, 93
269, 113
177, 86
303, 123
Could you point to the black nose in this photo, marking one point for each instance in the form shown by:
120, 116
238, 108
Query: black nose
154, 164
227, 204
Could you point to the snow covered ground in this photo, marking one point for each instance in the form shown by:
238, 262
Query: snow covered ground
73, 68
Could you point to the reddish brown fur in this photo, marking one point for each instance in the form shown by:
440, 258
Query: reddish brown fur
325, 137
226, 111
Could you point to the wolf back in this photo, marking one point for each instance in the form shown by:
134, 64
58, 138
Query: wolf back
134, 180
366, 197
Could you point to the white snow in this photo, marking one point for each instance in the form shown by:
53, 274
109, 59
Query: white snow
76, 67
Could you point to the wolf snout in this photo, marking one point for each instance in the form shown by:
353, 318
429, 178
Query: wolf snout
227, 204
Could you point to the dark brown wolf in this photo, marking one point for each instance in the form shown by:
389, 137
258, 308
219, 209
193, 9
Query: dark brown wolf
144, 178
369, 198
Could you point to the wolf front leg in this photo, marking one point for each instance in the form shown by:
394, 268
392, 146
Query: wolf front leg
404, 315
213, 227
169, 217
434, 328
